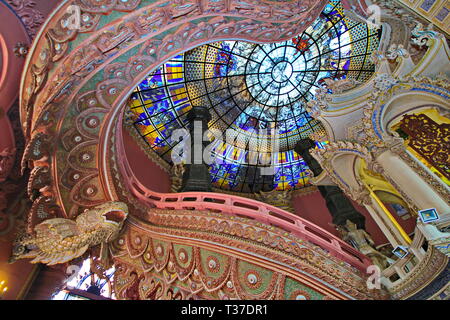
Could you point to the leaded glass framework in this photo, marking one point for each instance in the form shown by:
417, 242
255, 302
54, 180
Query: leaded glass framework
251, 88
84, 281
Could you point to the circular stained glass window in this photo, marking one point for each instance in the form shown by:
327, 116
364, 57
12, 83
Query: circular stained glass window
251, 89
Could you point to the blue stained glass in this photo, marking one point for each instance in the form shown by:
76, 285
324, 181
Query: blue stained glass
144, 119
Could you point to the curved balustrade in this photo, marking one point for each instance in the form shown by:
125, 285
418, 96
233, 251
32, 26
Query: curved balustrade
248, 208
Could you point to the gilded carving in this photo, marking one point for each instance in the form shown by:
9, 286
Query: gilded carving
378, 140
430, 139
433, 263
276, 198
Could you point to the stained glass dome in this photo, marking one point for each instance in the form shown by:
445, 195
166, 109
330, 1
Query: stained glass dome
251, 89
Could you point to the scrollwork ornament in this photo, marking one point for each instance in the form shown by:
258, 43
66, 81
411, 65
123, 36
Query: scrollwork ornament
320, 103
341, 85
396, 51
421, 37
394, 9
377, 56
31, 17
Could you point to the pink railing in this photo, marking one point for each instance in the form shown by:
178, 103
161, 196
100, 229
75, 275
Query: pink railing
248, 208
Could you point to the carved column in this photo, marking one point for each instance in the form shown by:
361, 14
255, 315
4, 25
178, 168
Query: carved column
337, 203
397, 166
196, 176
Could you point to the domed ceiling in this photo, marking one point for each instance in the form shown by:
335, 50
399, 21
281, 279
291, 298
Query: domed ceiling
253, 89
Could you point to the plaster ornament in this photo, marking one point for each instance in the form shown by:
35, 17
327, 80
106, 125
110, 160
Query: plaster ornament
31, 17
361, 196
395, 51
377, 56
325, 155
341, 85
60, 240
393, 9
315, 107
20, 49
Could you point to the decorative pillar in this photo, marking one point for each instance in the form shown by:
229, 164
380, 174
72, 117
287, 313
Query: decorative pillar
337, 203
414, 188
196, 176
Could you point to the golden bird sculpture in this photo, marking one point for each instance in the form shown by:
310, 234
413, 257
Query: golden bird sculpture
60, 240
